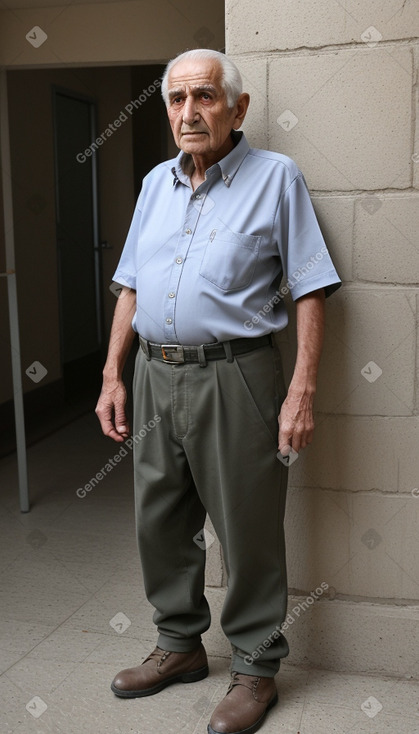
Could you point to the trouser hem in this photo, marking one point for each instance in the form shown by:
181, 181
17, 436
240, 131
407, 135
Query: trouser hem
239, 665
174, 644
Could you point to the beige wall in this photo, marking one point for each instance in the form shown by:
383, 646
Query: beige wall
334, 86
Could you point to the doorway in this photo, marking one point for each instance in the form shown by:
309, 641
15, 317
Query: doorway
54, 294
78, 248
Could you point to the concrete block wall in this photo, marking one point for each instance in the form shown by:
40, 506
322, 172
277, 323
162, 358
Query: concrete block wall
335, 86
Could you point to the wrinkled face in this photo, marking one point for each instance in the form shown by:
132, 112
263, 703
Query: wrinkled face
198, 113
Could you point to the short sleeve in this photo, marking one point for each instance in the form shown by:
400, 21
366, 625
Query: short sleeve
306, 261
126, 271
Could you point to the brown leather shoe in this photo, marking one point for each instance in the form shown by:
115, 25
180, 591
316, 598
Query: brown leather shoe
161, 669
243, 709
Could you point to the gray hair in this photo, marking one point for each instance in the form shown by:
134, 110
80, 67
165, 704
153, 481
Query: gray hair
231, 79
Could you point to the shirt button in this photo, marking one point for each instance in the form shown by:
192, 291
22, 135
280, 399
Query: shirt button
188, 231
168, 321
172, 295
179, 260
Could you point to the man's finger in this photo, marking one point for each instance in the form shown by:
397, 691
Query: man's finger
108, 428
284, 439
296, 443
285, 449
112, 432
121, 425
306, 439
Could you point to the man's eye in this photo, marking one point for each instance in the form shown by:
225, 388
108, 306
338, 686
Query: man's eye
205, 96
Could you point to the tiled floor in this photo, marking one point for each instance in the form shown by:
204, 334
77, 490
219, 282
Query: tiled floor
73, 613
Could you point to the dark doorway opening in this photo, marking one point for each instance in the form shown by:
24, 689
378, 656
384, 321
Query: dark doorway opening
78, 249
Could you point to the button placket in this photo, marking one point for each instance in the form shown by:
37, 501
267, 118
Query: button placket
182, 249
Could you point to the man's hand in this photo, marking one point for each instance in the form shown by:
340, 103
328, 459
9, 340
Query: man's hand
296, 422
110, 410
111, 404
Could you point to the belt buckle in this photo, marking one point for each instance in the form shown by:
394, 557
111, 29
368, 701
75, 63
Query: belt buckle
173, 353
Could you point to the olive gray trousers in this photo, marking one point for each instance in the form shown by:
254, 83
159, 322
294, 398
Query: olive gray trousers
207, 443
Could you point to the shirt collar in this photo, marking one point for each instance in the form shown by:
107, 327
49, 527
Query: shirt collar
227, 167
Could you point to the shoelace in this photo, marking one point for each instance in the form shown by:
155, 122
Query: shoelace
160, 655
239, 679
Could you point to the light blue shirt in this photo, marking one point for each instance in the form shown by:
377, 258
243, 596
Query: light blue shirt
207, 264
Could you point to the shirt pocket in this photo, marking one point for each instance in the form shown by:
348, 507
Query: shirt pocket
230, 259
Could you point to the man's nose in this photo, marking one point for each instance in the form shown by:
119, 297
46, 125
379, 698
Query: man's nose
190, 110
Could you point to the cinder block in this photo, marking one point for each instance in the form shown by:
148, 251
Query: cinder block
415, 152
360, 454
417, 362
254, 74
386, 239
361, 544
313, 555
360, 341
368, 361
290, 24
356, 637
345, 117
336, 215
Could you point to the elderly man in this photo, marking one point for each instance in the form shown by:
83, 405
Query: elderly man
213, 233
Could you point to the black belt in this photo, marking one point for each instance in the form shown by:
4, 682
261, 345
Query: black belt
179, 354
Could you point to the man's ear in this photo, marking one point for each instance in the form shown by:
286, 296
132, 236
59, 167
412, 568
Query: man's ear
241, 108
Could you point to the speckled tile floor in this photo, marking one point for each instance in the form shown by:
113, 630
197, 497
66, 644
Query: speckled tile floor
73, 612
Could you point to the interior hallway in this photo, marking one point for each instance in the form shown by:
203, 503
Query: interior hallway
70, 567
